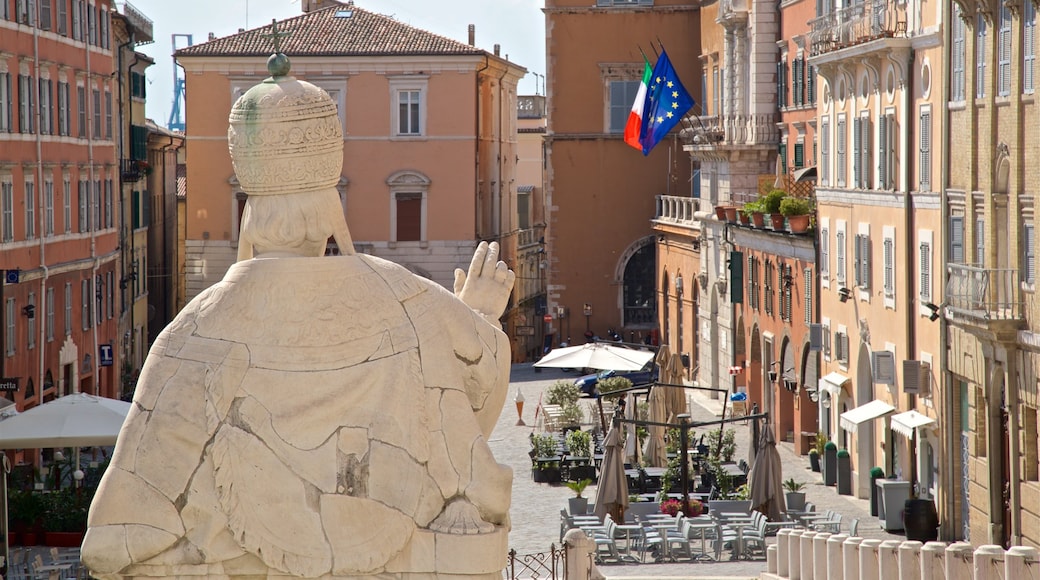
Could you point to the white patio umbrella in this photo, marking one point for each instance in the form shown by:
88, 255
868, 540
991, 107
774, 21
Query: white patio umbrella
596, 355
78, 420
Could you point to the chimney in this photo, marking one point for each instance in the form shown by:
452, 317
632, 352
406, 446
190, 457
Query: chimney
472, 34
212, 36
241, 30
312, 5
498, 49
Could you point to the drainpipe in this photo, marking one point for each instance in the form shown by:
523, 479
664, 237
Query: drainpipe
38, 179
909, 222
476, 136
166, 289
949, 430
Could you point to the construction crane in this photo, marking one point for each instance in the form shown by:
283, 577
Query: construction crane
176, 121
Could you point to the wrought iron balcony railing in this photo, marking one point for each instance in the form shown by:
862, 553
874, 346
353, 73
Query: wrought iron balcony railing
857, 24
983, 293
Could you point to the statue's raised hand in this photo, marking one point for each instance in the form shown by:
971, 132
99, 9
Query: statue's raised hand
487, 286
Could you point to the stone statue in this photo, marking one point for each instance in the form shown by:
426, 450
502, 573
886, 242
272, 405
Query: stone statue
309, 416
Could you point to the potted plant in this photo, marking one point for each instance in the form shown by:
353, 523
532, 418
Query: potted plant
817, 451
579, 444
771, 205
562, 393
796, 210
795, 495
578, 504
570, 417
731, 213
65, 517
753, 210
545, 462
720, 212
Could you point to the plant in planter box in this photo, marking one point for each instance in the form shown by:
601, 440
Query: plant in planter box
571, 416
579, 444
25, 509
795, 495
562, 393
673, 506
545, 465
723, 444
814, 460
796, 210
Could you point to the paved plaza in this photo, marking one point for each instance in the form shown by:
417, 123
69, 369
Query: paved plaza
536, 507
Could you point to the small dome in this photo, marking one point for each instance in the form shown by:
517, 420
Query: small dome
285, 137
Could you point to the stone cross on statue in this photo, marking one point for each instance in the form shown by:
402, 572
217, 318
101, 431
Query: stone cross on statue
275, 36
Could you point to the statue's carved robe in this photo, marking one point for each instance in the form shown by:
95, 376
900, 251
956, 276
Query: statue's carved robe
307, 416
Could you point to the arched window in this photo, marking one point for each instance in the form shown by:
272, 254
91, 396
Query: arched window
639, 299
408, 193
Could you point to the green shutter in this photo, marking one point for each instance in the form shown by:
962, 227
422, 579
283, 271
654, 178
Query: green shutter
736, 277
138, 143
799, 154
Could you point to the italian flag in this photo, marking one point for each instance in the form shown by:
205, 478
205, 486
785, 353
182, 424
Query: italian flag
635, 117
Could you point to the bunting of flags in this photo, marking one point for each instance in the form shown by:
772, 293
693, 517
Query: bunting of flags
661, 103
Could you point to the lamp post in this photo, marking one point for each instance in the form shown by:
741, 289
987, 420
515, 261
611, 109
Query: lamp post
519, 400
587, 311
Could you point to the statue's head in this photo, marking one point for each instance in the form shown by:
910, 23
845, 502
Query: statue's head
286, 144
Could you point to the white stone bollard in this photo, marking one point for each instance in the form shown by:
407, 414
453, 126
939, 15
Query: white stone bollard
806, 557
580, 551
888, 560
820, 555
794, 551
1020, 563
933, 561
868, 559
987, 562
835, 556
783, 538
910, 560
958, 561
771, 559
850, 555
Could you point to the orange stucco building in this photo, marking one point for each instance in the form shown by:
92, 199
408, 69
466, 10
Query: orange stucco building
429, 123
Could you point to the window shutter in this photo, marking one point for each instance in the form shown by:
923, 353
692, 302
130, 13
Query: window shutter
926, 271
883, 141
736, 272
825, 154
751, 280
857, 142
1028, 254
807, 290
839, 243
956, 239
889, 268
842, 143
865, 261
857, 257
844, 347
816, 337
925, 165
810, 79
1028, 45
825, 252
799, 154
980, 55
826, 341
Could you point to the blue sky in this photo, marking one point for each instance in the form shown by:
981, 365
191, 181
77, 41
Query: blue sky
517, 25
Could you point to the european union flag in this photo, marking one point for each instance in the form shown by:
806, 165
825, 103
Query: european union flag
666, 103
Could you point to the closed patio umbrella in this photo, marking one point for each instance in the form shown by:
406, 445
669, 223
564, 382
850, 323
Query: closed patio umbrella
766, 477
612, 493
676, 397
655, 452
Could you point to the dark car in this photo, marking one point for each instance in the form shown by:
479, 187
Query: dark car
646, 375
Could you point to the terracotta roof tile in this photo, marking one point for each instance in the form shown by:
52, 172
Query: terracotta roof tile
331, 32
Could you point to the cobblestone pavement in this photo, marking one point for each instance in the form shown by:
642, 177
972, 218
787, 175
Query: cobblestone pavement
536, 507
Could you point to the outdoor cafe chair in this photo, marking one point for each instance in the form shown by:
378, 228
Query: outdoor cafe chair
606, 545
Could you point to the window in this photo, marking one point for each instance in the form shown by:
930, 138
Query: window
769, 288
523, 207
108, 114
889, 250
99, 303
83, 193
104, 20
956, 239
886, 145
48, 208
7, 201
958, 55
11, 336
925, 137
64, 111
861, 259
980, 241
781, 82
25, 104
66, 201
841, 138
81, 104
111, 294
5, 102
841, 347
826, 323
807, 291
408, 113
1030, 443
84, 288
925, 289
95, 202
798, 81
980, 56
77, 19
408, 193
91, 24
46, 107
839, 254
799, 154
810, 79
752, 282
30, 210
715, 92
786, 292
1028, 46
68, 308
622, 96
22, 12
1028, 253
861, 157
62, 19
45, 14
1004, 52
108, 203
31, 323
825, 152
96, 95
639, 296
49, 315
825, 252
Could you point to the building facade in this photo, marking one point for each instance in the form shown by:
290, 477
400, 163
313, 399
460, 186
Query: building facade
430, 152
58, 169
165, 150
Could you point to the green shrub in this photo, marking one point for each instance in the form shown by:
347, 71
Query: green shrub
571, 415
579, 443
753, 207
771, 202
877, 473
543, 445
562, 393
843, 453
830, 445
790, 206
611, 384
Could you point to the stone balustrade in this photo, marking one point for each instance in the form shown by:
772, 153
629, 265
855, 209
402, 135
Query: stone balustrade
805, 555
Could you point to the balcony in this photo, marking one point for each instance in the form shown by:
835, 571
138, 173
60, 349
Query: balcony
986, 299
141, 24
857, 24
677, 210
132, 170
741, 131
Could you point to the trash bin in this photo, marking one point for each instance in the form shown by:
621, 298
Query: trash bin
893, 495
920, 520
830, 463
844, 473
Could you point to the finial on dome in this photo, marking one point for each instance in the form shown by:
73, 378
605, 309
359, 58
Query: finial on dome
277, 64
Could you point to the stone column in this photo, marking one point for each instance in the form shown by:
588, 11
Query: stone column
806, 555
783, 538
850, 557
986, 562
958, 561
910, 560
820, 555
868, 559
933, 555
1020, 562
888, 560
794, 552
835, 555
580, 564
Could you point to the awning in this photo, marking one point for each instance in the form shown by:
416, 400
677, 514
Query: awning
805, 174
905, 423
832, 383
525, 188
850, 420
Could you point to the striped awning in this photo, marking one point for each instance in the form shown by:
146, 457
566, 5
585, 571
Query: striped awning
524, 188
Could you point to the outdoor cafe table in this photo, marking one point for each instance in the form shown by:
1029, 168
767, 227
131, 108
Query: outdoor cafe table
738, 548
701, 525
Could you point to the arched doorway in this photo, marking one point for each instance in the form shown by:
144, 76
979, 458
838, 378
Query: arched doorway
638, 294
783, 388
808, 411
754, 370
740, 355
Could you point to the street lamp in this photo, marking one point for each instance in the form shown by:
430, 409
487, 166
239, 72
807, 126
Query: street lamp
587, 310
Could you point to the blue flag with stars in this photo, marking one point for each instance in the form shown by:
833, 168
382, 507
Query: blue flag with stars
666, 103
